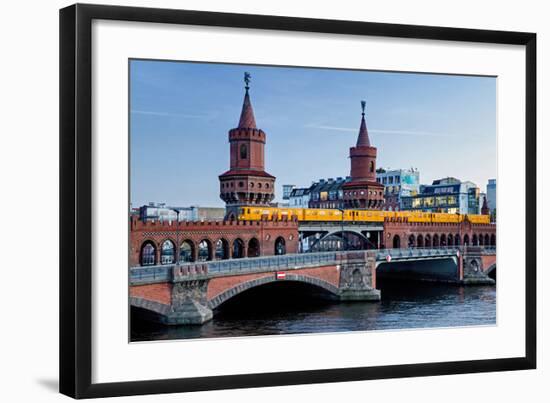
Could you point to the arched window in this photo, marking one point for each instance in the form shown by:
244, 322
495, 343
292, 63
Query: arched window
420, 241
147, 255
238, 249
205, 250
371, 166
493, 240
411, 241
167, 252
280, 247
253, 248
450, 240
486, 240
480, 240
436, 241
457, 240
222, 249
187, 250
428, 241
474, 240
396, 242
244, 152
466, 240
442, 240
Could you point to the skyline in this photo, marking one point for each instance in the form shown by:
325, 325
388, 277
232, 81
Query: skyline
181, 113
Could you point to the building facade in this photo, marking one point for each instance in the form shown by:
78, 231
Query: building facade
492, 195
299, 198
447, 195
398, 183
162, 212
327, 193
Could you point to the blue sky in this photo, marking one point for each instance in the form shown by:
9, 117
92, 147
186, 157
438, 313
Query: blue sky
180, 114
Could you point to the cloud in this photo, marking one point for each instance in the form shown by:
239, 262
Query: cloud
170, 114
381, 131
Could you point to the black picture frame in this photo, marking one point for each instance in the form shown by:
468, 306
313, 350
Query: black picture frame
76, 200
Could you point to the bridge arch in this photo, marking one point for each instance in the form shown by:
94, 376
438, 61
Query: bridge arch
457, 240
428, 241
167, 252
222, 249
205, 252
148, 253
396, 243
187, 251
238, 249
253, 247
247, 285
280, 246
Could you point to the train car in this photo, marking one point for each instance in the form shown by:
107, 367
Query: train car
367, 215
478, 218
415, 216
446, 218
314, 214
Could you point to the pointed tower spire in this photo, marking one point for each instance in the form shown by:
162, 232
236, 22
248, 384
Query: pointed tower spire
363, 138
247, 120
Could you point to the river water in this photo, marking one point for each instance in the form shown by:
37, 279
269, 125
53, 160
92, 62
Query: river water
278, 309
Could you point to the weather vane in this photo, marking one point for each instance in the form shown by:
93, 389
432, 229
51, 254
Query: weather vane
363, 104
247, 78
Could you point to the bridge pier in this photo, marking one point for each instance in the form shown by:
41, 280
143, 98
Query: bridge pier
189, 303
358, 278
473, 270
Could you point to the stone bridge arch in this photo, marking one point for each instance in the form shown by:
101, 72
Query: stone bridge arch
247, 285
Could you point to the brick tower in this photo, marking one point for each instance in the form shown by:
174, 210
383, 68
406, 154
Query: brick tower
246, 183
362, 191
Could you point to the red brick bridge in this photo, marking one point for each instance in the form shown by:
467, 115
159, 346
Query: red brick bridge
189, 293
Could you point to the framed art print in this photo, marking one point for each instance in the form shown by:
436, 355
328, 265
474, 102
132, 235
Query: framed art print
255, 201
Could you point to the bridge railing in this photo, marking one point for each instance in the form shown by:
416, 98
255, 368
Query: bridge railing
164, 273
417, 252
273, 262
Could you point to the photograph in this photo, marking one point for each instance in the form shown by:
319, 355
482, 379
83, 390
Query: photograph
273, 200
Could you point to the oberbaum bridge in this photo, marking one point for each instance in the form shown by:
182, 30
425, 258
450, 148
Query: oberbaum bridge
218, 260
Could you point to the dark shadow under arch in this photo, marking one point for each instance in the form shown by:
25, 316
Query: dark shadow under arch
238, 289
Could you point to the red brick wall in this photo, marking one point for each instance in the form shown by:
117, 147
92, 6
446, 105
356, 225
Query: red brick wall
404, 229
265, 231
488, 260
219, 285
153, 292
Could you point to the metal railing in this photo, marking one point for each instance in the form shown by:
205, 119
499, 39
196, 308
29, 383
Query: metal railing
417, 252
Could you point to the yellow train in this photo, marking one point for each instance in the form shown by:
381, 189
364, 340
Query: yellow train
253, 213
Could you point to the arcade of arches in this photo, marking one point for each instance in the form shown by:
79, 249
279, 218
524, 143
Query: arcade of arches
441, 240
205, 250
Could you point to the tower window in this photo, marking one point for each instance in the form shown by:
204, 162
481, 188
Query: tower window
244, 152
372, 166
